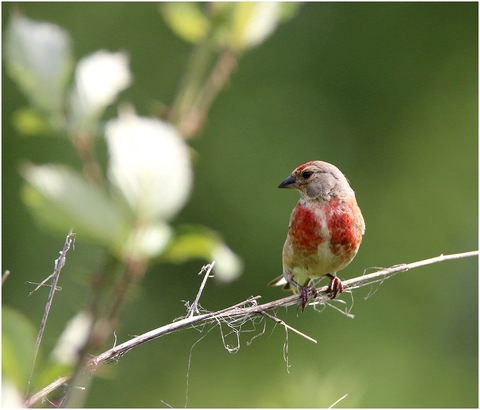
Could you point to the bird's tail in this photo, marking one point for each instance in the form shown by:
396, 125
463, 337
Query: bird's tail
281, 281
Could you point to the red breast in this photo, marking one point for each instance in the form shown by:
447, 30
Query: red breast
323, 237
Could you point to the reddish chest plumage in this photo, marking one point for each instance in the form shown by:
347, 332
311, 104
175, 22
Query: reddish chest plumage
325, 230
305, 228
344, 226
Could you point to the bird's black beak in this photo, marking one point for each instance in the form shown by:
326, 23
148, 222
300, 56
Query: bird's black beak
290, 182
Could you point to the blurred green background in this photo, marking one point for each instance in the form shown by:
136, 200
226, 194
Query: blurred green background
385, 91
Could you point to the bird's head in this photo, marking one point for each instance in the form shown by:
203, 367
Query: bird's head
318, 180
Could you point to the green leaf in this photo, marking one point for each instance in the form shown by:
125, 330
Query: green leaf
18, 345
29, 122
60, 199
39, 59
288, 10
199, 242
186, 20
191, 242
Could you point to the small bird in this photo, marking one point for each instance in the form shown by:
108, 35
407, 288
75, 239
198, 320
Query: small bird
325, 230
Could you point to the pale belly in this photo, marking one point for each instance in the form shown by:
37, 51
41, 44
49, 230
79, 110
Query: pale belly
317, 264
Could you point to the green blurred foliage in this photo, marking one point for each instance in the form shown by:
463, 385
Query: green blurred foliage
385, 91
38, 57
56, 196
234, 25
18, 341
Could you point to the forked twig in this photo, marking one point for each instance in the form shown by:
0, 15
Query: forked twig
194, 307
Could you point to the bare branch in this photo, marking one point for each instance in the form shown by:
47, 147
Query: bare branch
118, 351
240, 309
389, 272
250, 308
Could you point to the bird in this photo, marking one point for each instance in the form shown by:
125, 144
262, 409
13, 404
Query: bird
324, 233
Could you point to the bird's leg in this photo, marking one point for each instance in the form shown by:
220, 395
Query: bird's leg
335, 286
306, 292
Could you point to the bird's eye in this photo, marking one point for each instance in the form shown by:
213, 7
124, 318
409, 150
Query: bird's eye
307, 174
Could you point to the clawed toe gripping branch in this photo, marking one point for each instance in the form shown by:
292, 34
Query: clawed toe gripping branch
240, 313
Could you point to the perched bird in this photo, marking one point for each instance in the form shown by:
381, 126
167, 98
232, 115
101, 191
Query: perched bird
325, 229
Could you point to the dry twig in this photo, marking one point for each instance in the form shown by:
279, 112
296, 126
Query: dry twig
5, 276
59, 264
249, 308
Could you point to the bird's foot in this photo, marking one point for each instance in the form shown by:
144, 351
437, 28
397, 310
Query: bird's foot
335, 286
307, 293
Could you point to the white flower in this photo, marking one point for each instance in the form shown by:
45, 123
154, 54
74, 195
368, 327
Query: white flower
99, 78
150, 165
147, 241
12, 398
72, 338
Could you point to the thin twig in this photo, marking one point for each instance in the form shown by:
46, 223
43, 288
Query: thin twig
59, 264
241, 310
46, 390
281, 322
194, 119
5, 275
194, 307
389, 272
338, 401
42, 283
